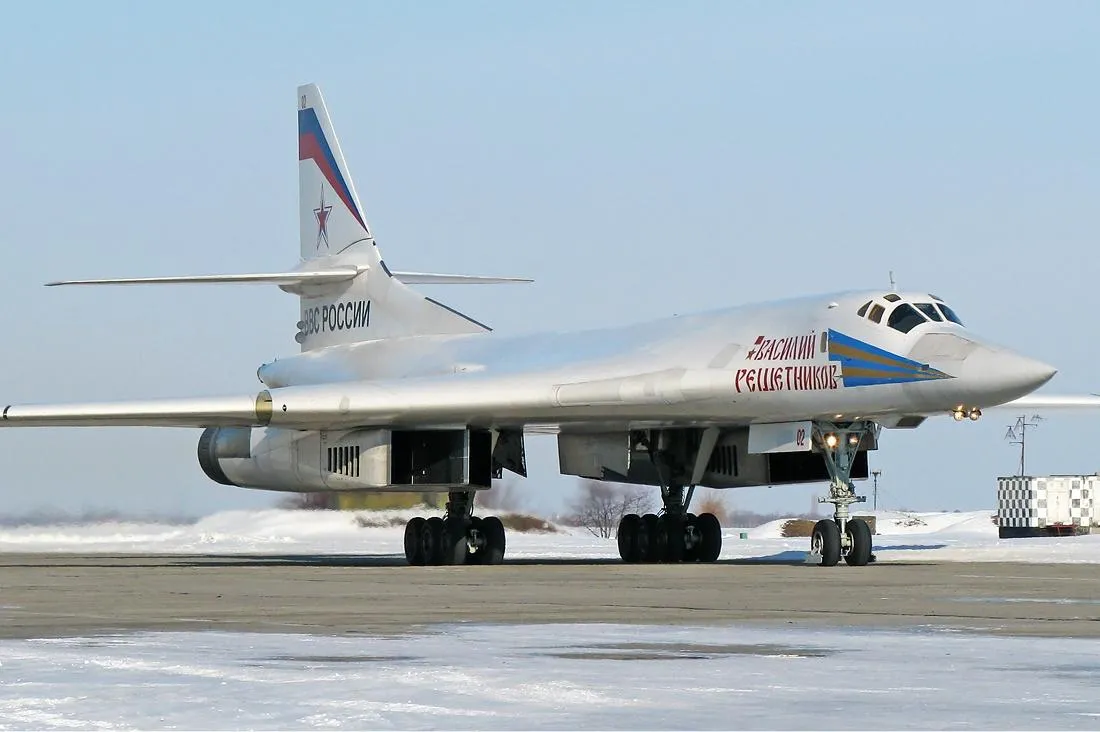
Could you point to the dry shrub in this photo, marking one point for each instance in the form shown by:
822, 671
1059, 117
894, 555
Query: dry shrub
322, 501
367, 521
525, 523
798, 528
521, 522
601, 506
712, 503
805, 527
872, 522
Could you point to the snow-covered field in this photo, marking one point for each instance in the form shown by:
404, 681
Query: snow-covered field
902, 537
553, 677
538, 676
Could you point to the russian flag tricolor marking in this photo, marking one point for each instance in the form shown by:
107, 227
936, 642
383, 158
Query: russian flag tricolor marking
312, 145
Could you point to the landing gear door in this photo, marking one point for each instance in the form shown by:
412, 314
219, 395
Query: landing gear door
780, 437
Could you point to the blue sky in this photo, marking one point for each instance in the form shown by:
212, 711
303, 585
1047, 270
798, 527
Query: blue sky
638, 159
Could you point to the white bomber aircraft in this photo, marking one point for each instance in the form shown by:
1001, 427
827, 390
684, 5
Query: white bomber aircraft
395, 391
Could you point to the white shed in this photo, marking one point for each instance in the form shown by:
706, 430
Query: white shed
1043, 505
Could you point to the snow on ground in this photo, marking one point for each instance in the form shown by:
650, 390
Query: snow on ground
553, 677
902, 537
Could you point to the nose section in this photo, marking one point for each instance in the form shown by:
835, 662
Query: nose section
1001, 375
1028, 372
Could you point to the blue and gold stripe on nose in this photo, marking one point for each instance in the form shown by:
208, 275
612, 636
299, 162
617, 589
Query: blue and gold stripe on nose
862, 364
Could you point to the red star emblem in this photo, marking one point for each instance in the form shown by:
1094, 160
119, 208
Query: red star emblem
321, 213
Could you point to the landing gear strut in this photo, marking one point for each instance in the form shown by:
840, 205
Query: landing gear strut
457, 538
841, 536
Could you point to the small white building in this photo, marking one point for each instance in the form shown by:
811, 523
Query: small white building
1046, 505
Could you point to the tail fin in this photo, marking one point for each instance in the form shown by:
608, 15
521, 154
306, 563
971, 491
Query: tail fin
330, 214
335, 234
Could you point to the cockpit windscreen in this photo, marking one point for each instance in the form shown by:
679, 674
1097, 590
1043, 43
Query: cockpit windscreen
905, 316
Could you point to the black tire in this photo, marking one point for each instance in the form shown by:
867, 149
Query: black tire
670, 539
647, 539
414, 545
627, 537
456, 549
492, 529
826, 538
710, 529
432, 539
859, 552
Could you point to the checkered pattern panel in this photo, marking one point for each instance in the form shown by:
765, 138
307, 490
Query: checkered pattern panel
1022, 502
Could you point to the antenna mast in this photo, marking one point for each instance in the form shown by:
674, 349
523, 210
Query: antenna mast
893, 285
1017, 435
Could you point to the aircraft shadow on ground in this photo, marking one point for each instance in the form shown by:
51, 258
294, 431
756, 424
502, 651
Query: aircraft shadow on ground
789, 557
910, 547
786, 558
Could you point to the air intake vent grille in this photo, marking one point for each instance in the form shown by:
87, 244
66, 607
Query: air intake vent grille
344, 460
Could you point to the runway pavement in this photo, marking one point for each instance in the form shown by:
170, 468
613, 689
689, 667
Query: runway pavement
43, 595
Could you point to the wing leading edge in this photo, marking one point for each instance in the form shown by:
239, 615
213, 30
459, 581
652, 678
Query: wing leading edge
241, 411
530, 399
318, 277
519, 400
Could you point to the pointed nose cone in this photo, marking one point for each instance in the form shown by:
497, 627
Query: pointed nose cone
1031, 374
1002, 375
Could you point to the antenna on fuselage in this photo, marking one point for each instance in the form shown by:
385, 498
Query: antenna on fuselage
893, 285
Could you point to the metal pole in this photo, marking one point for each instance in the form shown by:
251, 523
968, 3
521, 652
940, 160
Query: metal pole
875, 474
1023, 441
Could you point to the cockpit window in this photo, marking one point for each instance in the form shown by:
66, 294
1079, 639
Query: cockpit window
950, 314
892, 297
876, 313
905, 318
930, 310
863, 310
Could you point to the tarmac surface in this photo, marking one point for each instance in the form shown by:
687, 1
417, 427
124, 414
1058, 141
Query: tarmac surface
50, 595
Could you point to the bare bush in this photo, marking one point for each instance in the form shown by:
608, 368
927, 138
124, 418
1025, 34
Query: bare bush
712, 502
601, 506
368, 521
309, 501
525, 523
797, 528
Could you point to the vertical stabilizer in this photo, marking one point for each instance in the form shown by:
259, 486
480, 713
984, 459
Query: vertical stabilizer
334, 234
330, 214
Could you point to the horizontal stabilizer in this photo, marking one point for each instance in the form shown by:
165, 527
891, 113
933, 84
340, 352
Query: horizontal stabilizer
318, 277
427, 278
1054, 401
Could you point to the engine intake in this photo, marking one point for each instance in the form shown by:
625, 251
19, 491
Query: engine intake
217, 443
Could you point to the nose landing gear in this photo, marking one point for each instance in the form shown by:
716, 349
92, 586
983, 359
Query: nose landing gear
842, 536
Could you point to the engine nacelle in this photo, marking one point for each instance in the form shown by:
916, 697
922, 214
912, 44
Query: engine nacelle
351, 460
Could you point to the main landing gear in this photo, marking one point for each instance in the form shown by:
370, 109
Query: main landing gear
673, 536
457, 538
841, 536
